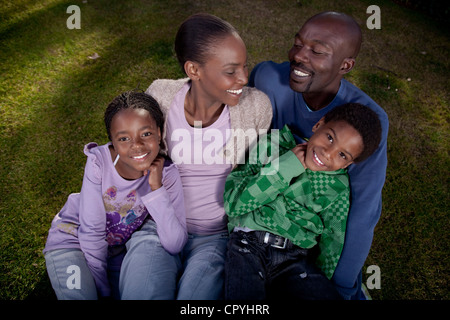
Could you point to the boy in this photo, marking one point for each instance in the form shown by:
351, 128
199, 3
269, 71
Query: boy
287, 219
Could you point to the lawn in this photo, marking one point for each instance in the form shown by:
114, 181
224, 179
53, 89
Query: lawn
55, 83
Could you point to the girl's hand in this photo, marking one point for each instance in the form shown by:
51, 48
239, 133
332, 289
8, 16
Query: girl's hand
155, 173
300, 152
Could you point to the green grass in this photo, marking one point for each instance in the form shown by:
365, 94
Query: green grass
52, 99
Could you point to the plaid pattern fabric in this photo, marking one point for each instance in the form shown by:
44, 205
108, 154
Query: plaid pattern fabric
273, 192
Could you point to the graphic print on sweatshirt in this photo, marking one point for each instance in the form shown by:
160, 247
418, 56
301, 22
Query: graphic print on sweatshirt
123, 216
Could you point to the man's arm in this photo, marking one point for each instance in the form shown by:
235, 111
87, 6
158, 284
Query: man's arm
366, 184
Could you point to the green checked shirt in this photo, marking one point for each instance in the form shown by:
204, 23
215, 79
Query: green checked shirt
273, 192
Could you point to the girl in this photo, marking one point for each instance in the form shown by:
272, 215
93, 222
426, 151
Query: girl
209, 115
127, 185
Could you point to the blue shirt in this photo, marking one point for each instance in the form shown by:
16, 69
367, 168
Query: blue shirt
366, 178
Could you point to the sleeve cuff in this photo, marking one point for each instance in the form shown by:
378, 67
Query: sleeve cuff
287, 166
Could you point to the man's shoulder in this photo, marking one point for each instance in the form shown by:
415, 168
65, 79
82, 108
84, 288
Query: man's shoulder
270, 67
355, 94
270, 76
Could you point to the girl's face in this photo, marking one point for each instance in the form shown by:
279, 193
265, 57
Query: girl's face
334, 145
225, 73
135, 137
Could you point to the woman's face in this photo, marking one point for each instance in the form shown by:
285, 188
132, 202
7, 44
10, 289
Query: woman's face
135, 137
225, 73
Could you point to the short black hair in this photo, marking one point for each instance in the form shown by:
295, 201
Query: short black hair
364, 120
134, 100
197, 34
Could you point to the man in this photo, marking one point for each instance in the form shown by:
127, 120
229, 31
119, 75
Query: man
302, 91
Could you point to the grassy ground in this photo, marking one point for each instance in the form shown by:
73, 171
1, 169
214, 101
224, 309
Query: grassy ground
52, 98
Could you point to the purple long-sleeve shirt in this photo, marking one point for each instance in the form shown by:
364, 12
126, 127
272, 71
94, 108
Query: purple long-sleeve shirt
109, 209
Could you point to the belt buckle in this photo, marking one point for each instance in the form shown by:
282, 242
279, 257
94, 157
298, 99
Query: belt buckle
266, 240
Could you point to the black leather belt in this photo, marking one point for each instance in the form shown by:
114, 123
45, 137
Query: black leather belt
276, 241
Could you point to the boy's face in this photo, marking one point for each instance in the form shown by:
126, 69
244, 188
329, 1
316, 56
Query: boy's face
135, 137
334, 145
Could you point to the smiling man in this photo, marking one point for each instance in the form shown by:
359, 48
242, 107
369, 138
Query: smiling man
302, 90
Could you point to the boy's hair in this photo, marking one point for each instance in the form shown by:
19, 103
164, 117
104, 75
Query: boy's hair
134, 100
197, 34
364, 120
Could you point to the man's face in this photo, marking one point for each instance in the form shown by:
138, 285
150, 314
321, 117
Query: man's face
318, 57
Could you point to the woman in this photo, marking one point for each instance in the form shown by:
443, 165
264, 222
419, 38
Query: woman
211, 119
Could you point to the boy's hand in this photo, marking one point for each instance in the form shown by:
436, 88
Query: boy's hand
300, 151
155, 173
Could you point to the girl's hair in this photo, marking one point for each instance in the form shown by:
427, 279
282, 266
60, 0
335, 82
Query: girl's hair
197, 34
134, 100
364, 120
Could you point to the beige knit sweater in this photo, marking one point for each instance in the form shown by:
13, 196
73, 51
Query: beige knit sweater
249, 118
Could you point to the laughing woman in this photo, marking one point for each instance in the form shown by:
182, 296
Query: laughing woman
209, 116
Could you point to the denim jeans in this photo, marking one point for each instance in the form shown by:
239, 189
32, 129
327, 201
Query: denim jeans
258, 271
148, 271
60, 264
203, 267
